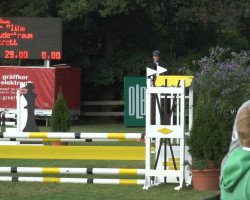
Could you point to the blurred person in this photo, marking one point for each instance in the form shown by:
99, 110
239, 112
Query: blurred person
235, 174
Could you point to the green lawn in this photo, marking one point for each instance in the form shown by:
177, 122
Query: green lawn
84, 191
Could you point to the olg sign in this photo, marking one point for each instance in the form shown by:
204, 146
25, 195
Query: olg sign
135, 97
136, 101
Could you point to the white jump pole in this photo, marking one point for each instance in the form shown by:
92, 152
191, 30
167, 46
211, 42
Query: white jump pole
82, 171
72, 180
71, 135
69, 140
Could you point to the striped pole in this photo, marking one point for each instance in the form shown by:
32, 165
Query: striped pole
68, 135
69, 140
17, 143
72, 180
55, 170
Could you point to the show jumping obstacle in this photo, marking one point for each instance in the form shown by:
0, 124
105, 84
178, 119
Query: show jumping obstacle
69, 140
76, 171
55, 135
72, 180
166, 97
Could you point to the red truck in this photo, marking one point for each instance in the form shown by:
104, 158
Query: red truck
47, 80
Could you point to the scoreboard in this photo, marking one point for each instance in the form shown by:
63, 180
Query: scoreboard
30, 38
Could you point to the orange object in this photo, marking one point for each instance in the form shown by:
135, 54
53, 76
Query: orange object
207, 179
58, 143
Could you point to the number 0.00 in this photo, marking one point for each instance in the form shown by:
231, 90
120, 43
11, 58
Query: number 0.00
54, 55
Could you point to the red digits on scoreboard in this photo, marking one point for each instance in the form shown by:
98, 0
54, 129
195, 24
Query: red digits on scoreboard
44, 55
54, 55
19, 54
23, 54
9, 54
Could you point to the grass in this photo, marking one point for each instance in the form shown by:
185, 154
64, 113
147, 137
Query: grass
83, 191
23, 191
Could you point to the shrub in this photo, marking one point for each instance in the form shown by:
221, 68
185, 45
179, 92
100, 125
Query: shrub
221, 86
207, 137
60, 119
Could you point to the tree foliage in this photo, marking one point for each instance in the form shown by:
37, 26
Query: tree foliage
60, 118
114, 38
207, 137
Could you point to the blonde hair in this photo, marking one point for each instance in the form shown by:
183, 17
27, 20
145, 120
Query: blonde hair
243, 126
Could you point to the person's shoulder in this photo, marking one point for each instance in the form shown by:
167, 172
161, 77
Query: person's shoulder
151, 65
235, 152
236, 156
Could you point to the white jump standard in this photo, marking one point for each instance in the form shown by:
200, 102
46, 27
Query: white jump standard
161, 126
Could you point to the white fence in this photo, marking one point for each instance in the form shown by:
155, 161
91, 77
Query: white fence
7, 119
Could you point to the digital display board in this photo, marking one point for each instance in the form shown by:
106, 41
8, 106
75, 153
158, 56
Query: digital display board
31, 38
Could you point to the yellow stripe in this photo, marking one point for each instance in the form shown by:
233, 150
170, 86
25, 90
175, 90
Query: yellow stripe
38, 135
128, 171
128, 182
176, 159
51, 170
171, 164
116, 136
74, 152
173, 80
51, 180
172, 168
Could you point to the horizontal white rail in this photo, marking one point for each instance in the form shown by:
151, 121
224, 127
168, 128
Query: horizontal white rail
9, 116
10, 123
55, 170
68, 135
70, 140
72, 180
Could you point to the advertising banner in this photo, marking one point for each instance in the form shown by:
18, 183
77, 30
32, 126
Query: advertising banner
135, 99
47, 81
11, 77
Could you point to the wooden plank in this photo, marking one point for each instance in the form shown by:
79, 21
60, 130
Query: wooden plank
103, 103
73, 152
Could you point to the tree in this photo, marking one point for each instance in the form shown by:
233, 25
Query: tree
60, 118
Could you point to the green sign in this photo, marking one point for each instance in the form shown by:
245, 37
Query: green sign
135, 99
